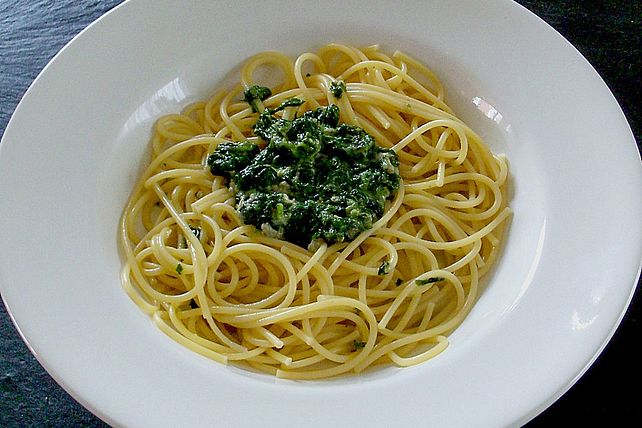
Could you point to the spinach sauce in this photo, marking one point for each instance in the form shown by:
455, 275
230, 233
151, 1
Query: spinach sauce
315, 179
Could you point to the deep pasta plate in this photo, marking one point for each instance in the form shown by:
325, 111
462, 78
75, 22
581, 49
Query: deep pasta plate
556, 283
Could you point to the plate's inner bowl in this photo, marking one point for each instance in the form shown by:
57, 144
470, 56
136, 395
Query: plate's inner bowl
127, 154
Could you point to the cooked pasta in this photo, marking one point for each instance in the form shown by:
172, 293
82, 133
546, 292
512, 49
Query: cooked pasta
236, 294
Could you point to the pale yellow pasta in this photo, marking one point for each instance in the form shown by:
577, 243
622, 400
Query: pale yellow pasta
233, 294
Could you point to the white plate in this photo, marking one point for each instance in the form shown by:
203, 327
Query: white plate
77, 141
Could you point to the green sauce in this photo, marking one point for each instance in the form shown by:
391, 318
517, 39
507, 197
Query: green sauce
337, 88
315, 180
256, 93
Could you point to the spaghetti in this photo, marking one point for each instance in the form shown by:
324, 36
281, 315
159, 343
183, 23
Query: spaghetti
234, 294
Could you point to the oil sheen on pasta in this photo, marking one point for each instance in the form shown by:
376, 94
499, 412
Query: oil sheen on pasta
308, 303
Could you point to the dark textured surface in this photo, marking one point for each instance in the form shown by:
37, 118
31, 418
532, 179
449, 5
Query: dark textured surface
608, 33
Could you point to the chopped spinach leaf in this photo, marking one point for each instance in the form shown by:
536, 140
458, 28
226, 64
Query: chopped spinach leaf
428, 281
179, 268
229, 158
290, 102
337, 88
357, 344
384, 268
256, 93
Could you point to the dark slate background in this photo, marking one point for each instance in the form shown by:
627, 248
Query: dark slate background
608, 33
